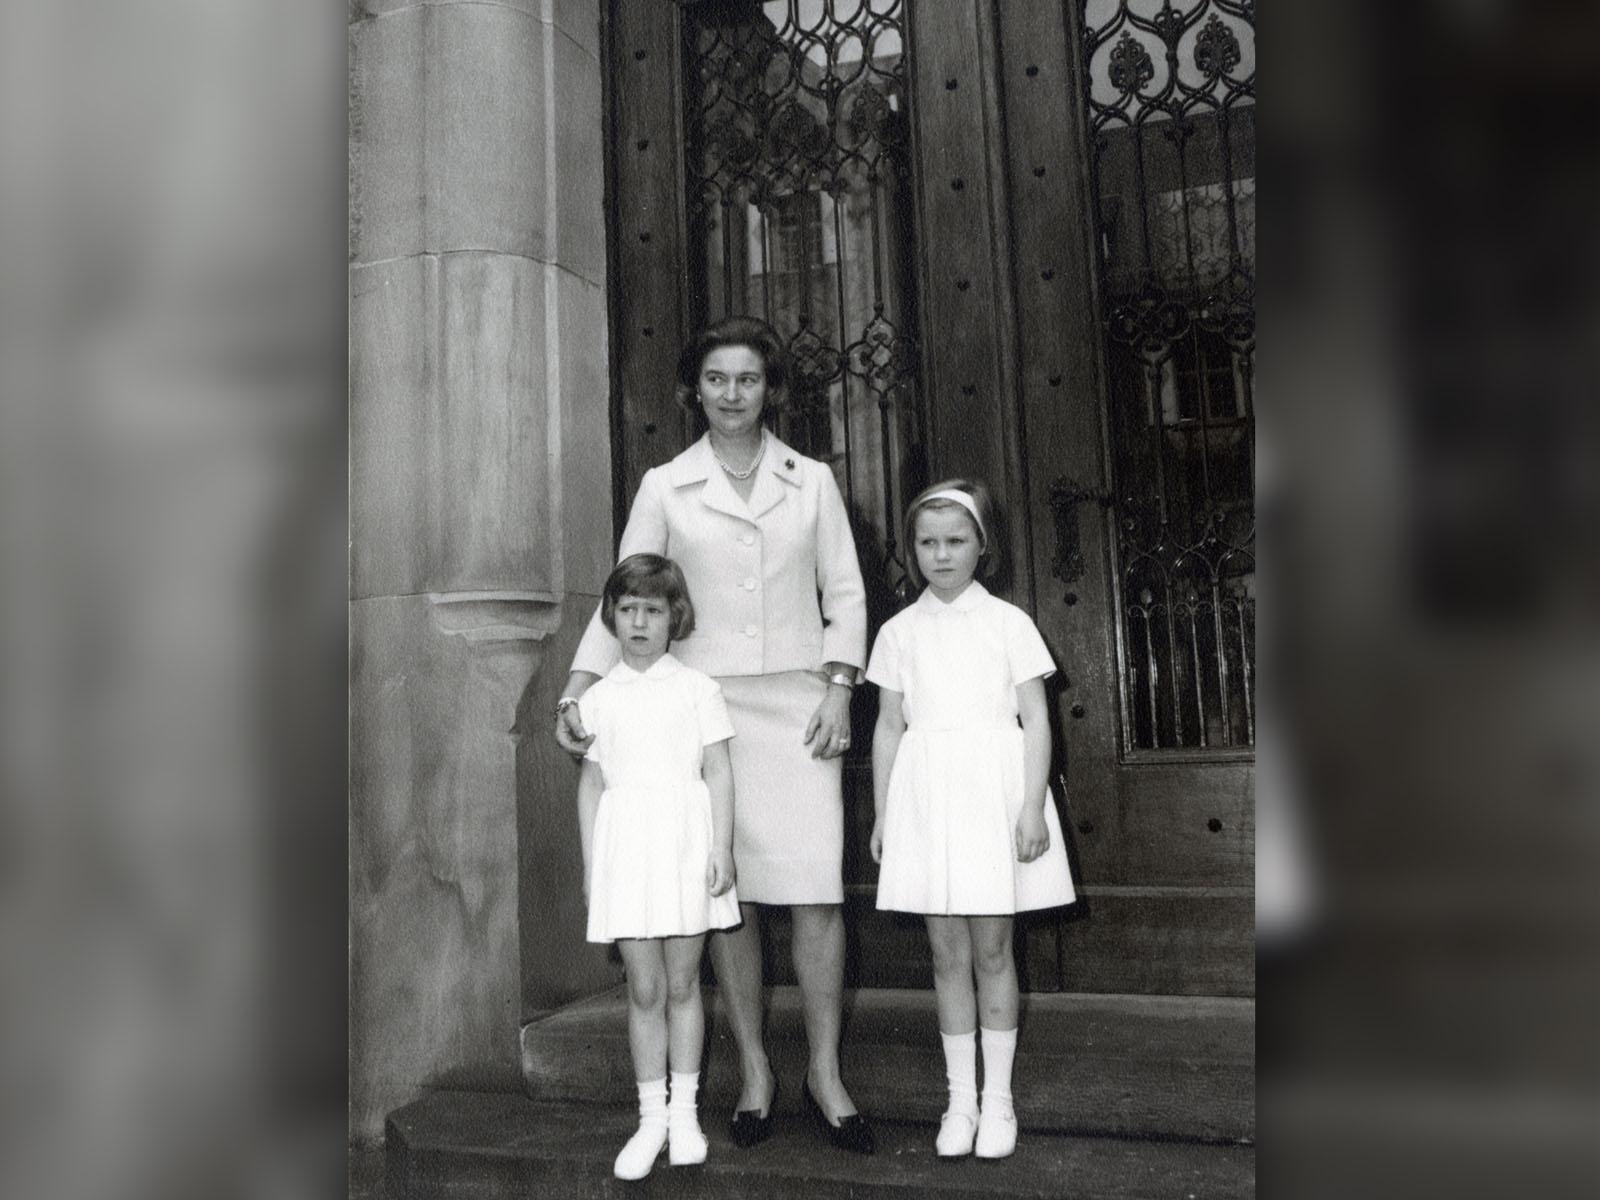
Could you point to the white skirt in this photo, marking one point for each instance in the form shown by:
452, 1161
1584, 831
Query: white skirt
788, 811
652, 847
949, 828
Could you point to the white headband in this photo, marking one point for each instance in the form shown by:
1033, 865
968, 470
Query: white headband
967, 502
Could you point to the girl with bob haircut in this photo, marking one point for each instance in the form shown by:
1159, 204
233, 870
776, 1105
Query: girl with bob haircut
655, 819
655, 577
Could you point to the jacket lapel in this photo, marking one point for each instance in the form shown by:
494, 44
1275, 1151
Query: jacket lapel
779, 471
698, 465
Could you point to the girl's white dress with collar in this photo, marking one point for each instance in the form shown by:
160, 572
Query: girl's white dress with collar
652, 835
956, 789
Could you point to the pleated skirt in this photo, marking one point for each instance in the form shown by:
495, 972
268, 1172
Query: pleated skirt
648, 880
949, 828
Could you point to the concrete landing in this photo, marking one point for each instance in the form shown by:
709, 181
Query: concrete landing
1119, 1097
1086, 1065
497, 1146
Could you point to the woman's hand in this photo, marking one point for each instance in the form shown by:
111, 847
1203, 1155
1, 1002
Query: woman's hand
828, 732
719, 872
875, 843
570, 733
1033, 837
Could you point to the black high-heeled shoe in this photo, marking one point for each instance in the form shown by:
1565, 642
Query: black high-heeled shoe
748, 1127
852, 1133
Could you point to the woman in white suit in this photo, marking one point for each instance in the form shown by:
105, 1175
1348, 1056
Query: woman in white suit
763, 539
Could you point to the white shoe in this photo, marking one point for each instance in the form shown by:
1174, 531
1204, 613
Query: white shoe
997, 1134
956, 1131
686, 1143
641, 1152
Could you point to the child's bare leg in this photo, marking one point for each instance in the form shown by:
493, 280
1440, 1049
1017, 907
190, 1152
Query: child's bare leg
645, 962
686, 1012
951, 942
952, 974
686, 1029
996, 968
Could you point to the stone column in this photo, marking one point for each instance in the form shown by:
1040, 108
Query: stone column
480, 509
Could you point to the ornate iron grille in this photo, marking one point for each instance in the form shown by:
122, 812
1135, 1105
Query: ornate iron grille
798, 153
1171, 96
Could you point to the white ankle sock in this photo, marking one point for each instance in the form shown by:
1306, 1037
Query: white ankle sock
686, 1143
961, 1070
999, 1048
960, 1121
644, 1147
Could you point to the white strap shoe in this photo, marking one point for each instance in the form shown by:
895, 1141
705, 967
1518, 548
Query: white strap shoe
997, 1133
956, 1131
641, 1152
686, 1142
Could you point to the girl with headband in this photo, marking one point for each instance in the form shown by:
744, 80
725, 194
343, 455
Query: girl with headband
966, 830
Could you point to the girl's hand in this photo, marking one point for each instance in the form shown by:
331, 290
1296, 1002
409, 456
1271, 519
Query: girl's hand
570, 733
719, 872
1033, 837
875, 843
828, 732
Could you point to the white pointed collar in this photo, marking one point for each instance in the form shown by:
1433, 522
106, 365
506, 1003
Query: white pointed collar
663, 667
973, 595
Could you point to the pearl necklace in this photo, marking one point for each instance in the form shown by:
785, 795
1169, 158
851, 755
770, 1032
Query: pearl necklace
748, 471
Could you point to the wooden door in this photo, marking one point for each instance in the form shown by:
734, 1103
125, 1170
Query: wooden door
1011, 240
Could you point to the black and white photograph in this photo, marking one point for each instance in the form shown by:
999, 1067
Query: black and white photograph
910, 348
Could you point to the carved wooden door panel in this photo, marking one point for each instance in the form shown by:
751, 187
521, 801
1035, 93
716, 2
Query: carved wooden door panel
1014, 241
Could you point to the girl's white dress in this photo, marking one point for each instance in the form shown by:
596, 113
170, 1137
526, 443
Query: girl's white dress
955, 792
652, 834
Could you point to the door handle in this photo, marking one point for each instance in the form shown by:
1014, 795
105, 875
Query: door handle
1065, 497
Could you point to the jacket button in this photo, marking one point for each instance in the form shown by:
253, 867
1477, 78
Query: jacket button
749, 539
750, 631
749, 585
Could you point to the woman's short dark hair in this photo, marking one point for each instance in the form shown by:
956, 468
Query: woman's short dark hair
988, 558
655, 578
751, 332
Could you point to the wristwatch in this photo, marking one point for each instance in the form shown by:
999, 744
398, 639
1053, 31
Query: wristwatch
843, 680
565, 703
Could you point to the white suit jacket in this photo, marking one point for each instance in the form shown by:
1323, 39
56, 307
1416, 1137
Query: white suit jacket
775, 583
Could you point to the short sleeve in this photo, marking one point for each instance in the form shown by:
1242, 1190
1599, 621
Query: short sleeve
711, 710
589, 706
1026, 654
883, 667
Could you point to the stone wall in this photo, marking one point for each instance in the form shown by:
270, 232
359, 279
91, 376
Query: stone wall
480, 507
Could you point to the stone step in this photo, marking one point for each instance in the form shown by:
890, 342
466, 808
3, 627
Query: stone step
1157, 941
1086, 1065
491, 1145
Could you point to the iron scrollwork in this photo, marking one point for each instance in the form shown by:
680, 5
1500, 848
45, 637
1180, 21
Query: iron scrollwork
1170, 89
